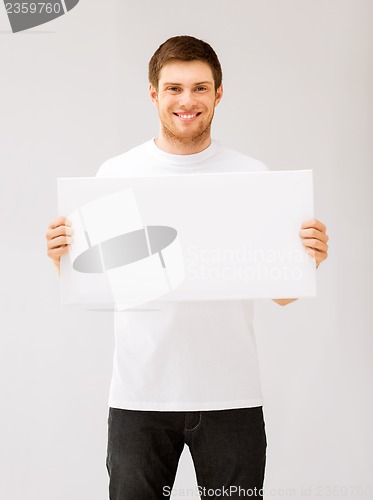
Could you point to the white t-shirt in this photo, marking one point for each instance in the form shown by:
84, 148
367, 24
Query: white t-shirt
184, 356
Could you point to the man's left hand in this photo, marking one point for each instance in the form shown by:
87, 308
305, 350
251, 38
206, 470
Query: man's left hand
314, 238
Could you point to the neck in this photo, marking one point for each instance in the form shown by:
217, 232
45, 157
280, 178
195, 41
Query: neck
179, 146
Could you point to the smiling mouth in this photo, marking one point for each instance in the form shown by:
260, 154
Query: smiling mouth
187, 117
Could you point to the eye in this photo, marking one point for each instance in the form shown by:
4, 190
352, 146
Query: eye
201, 89
173, 89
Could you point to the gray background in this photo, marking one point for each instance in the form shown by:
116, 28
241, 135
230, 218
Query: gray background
298, 80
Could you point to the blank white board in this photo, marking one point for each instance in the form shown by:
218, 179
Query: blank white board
187, 237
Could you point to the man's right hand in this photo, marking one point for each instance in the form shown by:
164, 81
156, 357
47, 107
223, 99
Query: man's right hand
58, 236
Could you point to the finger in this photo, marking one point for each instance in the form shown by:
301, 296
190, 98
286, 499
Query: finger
57, 242
53, 253
59, 231
315, 244
314, 233
314, 223
62, 230
60, 221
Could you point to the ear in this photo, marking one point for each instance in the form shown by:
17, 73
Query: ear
218, 94
153, 95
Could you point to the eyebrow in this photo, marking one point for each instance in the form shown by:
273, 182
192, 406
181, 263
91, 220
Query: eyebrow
197, 83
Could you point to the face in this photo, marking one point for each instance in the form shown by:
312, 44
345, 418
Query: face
186, 100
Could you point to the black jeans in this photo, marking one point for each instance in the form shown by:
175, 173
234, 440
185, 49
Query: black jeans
228, 449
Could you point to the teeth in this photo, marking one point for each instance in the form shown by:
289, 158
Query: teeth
187, 117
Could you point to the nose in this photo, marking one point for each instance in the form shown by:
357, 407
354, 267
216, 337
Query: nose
187, 99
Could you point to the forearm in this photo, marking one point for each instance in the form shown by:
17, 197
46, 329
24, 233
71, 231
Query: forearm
283, 302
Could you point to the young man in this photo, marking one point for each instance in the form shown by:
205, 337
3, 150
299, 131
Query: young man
186, 373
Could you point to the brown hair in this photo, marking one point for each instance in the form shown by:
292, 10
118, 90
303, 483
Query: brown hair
184, 48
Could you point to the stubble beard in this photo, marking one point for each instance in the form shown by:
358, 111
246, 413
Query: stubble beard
195, 139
